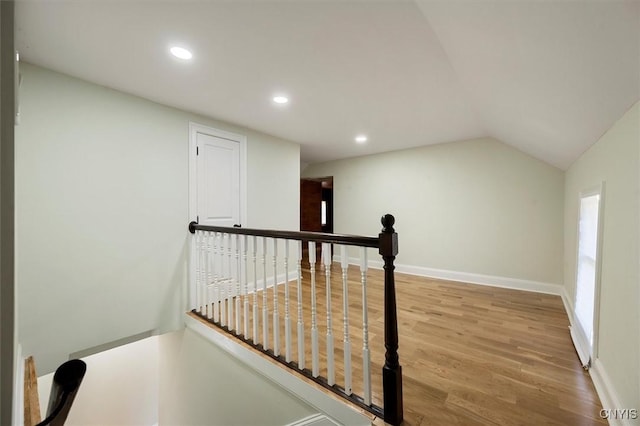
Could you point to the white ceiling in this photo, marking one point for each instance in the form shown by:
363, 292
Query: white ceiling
545, 77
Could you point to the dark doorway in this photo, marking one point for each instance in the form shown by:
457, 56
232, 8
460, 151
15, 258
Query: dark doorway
316, 206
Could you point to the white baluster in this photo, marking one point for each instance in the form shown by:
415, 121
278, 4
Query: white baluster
237, 281
229, 286
315, 368
203, 273
192, 290
209, 274
265, 308
222, 286
256, 338
326, 253
345, 320
246, 287
217, 274
276, 311
287, 319
301, 360
196, 255
366, 358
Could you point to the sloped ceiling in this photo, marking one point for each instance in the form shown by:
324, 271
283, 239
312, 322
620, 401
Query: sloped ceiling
545, 77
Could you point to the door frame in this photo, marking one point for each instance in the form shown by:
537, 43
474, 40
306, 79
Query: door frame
194, 129
578, 333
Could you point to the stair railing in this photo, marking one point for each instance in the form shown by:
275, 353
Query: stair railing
64, 387
237, 268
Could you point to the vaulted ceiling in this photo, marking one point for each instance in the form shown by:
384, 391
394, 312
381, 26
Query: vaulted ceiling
545, 77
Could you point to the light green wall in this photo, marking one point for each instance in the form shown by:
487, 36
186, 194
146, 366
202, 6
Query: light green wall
614, 160
475, 206
102, 211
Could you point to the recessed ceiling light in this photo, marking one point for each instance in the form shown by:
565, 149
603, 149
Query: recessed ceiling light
181, 52
280, 99
361, 138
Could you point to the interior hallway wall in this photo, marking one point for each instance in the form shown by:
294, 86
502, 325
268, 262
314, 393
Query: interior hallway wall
614, 160
102, 211
476, 207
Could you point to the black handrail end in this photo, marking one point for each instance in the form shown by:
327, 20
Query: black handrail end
70, 374
192, 226
65, 385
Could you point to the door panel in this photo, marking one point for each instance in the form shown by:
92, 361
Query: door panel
310, 205
218, 175
217, 191
311, 212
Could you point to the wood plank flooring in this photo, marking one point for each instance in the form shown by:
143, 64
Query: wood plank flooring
470, 354
31, 401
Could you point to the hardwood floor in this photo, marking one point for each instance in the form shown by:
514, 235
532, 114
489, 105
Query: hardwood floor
31, 402
470, 354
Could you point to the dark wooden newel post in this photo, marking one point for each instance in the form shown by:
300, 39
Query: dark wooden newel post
392, 371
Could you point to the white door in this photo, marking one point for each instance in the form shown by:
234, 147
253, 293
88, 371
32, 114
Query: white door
217, 189
584, 329
217, 172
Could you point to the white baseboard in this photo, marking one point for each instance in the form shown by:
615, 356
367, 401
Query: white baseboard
607, 393
568, 304
251, 285
293, 274
339, 412
467, 277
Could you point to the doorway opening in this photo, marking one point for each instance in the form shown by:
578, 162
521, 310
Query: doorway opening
316, 207
316, 204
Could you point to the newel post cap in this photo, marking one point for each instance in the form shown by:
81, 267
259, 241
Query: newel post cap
388, 237
387, 223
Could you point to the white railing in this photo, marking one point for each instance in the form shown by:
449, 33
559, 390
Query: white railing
237, 286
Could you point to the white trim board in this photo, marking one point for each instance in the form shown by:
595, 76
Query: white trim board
293, 276
581, 345
568, 305
340, 412
605, 390
591, 349
467, 277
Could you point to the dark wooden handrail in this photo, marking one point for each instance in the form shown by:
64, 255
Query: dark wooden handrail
65, 385
387, 244
318, 237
